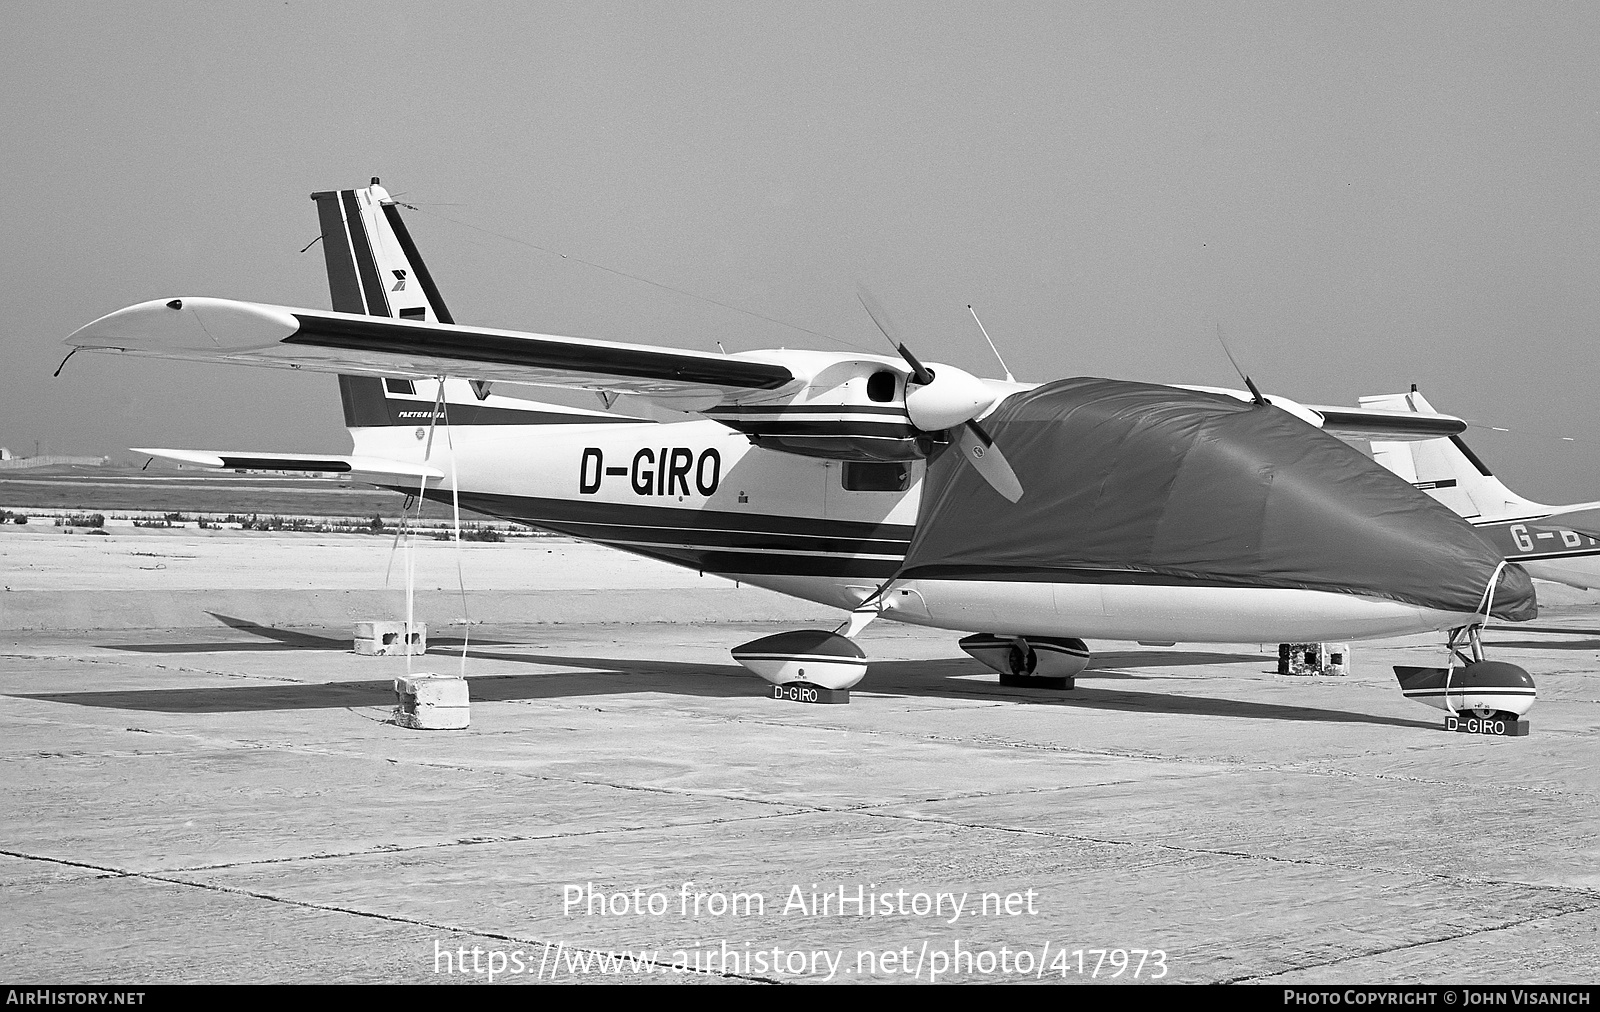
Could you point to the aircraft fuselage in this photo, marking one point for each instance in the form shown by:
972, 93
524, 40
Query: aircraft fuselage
699, 495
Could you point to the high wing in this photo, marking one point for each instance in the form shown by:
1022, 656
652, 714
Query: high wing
1363, 423
249, 333
389, 320
1375, 423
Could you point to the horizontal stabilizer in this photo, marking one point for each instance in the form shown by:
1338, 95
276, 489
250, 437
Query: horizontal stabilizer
375, 469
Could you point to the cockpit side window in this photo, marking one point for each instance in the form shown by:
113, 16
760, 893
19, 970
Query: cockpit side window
874, 476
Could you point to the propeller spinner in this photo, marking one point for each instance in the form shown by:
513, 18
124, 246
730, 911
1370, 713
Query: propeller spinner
950, 399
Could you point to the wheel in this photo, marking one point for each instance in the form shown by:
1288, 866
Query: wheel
1023, 658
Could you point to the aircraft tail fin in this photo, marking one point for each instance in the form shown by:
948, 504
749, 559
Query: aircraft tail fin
374, 269
373, 265
1446, 468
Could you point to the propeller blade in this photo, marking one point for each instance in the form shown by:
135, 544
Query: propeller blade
1255, 394
919, 373
984, 455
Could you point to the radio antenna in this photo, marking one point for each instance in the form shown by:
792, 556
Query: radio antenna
1009, 378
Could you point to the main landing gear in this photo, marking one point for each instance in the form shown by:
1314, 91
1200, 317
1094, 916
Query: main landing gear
1479, 696
1030, 662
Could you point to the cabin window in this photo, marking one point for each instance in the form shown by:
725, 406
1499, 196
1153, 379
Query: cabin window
880, 386
395, 386
875, 476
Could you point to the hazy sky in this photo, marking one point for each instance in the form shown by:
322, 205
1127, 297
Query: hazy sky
1363, 196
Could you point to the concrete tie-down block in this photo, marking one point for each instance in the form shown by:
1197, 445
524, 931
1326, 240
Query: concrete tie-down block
1313, 658
432, 702
390, 639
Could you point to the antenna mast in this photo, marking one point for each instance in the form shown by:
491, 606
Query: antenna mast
1009, 378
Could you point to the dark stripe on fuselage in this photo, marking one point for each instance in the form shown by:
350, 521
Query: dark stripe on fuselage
705, 540
409, 412
377, 300
531, 352
602, 521
364, 401
805, 409
1542, 544
777, 427
766, 563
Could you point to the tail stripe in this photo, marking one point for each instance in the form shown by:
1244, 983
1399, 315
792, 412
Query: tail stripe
377, 302
418, 268
1472, 458
343, 285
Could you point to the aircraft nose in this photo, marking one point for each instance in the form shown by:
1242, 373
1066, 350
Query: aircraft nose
1191, 487
1514, 597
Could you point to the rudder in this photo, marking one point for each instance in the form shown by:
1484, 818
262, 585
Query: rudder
1446, 468
374, 269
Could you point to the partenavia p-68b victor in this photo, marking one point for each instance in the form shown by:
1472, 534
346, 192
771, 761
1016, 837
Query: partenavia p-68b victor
1029, 515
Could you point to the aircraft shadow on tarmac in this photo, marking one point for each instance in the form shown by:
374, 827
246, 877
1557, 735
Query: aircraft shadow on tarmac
1577, 639
270, 638
948, 678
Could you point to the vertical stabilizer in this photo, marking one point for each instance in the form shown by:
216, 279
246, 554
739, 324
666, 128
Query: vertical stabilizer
1446, 468
374, 269
373, 266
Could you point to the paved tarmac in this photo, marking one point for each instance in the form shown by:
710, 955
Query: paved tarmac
226, 801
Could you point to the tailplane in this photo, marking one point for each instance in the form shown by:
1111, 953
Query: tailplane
1447, 469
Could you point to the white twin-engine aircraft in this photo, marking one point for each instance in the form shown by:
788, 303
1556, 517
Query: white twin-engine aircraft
1030, 515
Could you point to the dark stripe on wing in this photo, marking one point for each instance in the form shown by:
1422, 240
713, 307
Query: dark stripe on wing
1393, 423
396, 337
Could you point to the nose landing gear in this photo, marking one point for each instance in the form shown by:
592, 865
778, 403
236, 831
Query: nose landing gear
1478, 695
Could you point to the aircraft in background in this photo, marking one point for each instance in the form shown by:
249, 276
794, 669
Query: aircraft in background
1030, 515
1556, 543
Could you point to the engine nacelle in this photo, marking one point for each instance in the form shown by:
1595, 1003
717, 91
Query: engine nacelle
1483, 688
805, 656
850, 409
1030, 660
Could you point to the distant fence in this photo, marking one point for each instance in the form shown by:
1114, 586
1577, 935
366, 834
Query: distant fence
23, 463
